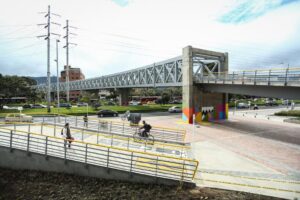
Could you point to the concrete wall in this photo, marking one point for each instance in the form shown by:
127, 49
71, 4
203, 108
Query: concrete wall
205, 106
19, 159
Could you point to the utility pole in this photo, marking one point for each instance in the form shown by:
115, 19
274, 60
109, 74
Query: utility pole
47, 37
67, 27
57, 83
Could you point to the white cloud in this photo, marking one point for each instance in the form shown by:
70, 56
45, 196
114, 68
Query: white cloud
112, 38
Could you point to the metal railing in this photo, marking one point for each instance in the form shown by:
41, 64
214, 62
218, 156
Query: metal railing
169, 167
83, 134
159, 133
280, 77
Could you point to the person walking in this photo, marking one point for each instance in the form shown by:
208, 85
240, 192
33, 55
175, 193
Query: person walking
67, 134
85, 120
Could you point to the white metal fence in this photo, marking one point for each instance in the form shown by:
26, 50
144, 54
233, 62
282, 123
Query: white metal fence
101, 155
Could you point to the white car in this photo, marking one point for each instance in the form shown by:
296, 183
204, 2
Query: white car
175, 109
18, 118
134, 103
242, 105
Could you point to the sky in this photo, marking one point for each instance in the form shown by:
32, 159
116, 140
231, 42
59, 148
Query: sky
118, 35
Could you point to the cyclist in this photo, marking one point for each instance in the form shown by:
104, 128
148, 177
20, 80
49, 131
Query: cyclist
145, 132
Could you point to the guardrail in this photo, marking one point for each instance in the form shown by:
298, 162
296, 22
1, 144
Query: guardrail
169, 167
84, 134
283, 77
159, 133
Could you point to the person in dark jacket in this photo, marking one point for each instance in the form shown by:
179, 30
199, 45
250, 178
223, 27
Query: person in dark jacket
146, 129
67, 133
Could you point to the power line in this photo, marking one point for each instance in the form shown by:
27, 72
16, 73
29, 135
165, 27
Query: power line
21, 48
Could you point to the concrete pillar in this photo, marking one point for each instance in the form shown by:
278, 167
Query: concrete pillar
187, 85
123, 96
205, 106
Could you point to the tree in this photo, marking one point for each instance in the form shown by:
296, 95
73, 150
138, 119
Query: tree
15, 86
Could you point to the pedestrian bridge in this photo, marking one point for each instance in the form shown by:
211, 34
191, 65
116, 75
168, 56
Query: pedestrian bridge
169, 73
205, 79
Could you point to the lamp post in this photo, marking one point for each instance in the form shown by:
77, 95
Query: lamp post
57, 78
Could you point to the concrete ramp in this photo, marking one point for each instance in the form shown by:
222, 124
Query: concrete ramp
23, 150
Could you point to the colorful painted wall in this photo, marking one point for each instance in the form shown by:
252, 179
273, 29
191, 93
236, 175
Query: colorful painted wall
207, 113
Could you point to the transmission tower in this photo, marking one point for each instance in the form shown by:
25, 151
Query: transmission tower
68, 33
47, 37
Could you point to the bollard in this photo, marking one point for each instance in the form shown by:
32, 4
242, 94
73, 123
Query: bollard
76, 121
43, 119
15, 127
28, 128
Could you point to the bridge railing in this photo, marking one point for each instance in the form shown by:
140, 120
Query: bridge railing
100, 155
159, 133
286, 77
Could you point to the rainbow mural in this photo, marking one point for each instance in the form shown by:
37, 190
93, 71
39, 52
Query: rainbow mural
210, 113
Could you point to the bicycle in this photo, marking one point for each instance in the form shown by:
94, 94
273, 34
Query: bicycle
137, 137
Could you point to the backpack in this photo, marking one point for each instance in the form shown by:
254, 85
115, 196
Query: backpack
149, 126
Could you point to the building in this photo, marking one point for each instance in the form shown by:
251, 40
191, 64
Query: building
74, 74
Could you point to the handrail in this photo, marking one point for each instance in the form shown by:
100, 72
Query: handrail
121, 128
129, 142
258, 70
101, 145
127, 160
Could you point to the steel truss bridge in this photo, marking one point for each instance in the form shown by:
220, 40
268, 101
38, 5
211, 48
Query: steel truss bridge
207, 71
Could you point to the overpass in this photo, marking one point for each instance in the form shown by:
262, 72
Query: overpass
204, 76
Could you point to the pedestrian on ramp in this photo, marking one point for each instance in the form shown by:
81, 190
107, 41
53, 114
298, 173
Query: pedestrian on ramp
85, 120
66, 132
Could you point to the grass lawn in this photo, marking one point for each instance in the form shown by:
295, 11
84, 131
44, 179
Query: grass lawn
83, 110
292, 113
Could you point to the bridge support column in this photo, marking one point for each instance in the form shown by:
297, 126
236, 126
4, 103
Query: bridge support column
205, 106
123, 96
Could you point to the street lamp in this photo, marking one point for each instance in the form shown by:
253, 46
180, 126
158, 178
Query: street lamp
57, 78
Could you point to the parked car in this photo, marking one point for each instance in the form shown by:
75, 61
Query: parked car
39, 106
175, 109
134, 103
175, 102
65, 105
81, 104
27, 106
107, 113
16, 117
242, 105
271, 103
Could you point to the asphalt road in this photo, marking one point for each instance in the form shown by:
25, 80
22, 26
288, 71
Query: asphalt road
284, 132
